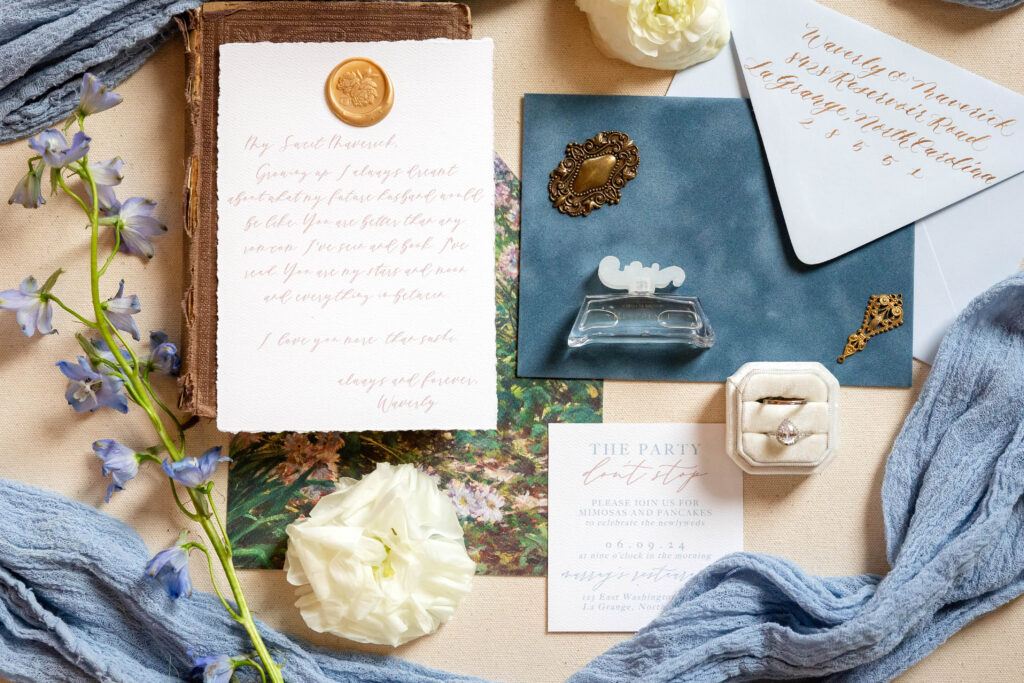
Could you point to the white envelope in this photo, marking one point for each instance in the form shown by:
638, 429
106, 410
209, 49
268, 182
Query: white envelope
961, 250
865, 133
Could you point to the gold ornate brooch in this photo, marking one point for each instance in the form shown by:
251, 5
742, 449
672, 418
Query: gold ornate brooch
594, 173
884, 313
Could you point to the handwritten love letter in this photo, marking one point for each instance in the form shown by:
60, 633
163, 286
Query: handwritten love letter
355, 265
635, 510
865, 133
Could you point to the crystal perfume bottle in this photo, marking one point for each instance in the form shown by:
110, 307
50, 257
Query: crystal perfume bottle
641, 315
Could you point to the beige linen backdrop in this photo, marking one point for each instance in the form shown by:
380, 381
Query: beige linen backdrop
830, 524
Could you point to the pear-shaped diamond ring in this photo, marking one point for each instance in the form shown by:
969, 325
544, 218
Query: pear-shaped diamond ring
788, 433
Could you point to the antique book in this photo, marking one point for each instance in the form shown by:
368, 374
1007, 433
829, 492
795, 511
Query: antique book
206, 29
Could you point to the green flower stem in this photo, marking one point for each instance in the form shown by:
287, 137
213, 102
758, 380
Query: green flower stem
81, 319
181, 506
249, 662
213, 576
113, 253
139, 393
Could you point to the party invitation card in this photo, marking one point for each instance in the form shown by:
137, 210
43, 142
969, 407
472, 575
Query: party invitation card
355, 264
635, 510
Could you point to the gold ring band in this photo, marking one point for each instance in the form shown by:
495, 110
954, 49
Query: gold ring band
782, 401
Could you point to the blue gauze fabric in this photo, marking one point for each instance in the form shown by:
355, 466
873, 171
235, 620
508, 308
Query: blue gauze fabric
991, 5
75, 607
46, 46
951, 499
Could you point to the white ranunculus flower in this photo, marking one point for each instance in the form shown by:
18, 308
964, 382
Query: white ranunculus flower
381, 560
659, 34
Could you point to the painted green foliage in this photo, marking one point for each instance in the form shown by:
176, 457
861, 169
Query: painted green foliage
497, 479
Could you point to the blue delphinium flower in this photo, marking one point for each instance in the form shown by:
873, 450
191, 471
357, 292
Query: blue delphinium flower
163, 355
109, 206
170, 567
88, 389
106, 173
120, 309
212, 669
29, 192
138, 226
95, 97
54, 148
119, 463
33, 309
194, 472
133, 218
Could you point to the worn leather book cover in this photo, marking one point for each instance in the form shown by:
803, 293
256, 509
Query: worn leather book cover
205, 29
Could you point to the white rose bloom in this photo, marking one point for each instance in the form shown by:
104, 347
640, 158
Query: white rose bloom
381, 560
659, 34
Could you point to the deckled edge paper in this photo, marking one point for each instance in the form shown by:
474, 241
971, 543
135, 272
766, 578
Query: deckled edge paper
355, 266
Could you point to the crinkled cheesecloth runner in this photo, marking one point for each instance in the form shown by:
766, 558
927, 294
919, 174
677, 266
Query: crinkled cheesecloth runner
46, 46
74, 605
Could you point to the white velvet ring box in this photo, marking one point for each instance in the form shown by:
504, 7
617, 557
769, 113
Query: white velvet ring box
750, 424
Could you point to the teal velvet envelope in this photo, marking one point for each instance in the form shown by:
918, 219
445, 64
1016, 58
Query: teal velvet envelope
704, 200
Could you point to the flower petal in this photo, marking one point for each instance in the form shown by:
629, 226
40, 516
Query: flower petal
107, 172
27, 316
44, 318
95, 97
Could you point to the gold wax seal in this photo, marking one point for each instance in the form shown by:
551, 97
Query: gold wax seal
359, 92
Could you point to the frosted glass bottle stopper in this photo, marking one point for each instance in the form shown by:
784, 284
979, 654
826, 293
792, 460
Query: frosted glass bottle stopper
637, 278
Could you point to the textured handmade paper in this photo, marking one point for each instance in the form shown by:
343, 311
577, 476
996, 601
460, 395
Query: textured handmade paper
864, 132
635, 511
355, 265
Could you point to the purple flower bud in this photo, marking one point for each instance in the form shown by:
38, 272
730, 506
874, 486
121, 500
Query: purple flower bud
170, 567
119, 310
28, 192
194, 472
119, 463
164, 354
95, 97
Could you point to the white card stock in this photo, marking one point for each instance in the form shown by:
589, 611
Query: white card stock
635, 510
865, 133
355, 265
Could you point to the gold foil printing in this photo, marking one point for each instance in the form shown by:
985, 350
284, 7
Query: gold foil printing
359, 92
594, 173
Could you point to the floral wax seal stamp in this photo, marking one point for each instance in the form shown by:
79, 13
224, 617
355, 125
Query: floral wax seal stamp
594, 173
359, 92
